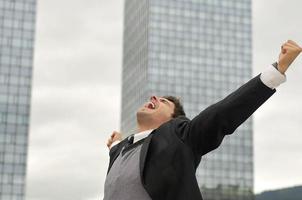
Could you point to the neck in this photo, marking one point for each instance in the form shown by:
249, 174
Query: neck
142, 127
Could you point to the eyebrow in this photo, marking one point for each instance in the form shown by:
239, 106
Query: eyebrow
166, 100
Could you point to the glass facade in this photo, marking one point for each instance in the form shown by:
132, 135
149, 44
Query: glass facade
200, 51
17, 24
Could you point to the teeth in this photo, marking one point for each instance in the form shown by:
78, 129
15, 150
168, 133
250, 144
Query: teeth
151, 105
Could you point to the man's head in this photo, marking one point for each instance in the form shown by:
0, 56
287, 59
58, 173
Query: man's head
159, 110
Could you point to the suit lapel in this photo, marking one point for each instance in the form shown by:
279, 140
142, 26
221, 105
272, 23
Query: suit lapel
116, 153
143, 155
113, 159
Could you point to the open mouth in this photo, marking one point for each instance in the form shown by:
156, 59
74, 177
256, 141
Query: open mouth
150, 105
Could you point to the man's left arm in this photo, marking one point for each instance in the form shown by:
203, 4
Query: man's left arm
206, 131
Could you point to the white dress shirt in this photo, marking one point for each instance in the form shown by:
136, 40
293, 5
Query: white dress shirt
270, 76
137, 137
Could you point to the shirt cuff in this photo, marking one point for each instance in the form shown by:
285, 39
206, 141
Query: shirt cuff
271, 77
114, 143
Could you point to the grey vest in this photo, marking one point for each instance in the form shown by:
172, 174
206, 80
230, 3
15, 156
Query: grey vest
123, 181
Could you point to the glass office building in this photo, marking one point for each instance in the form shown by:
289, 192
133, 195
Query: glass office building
17, 25
200, 51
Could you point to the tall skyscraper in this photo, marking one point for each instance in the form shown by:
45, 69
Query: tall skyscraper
199, 50
17, 25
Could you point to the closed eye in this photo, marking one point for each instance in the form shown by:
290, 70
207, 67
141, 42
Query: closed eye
164, 101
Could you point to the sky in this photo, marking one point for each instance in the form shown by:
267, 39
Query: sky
76, 97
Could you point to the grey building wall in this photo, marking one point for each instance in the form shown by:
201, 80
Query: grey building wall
135, 60
17, 25
200, 51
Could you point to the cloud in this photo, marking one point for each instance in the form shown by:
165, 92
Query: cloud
78, 42
75, 98
278, 122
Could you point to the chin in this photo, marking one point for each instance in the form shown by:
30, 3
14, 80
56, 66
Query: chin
145, 110
144, 114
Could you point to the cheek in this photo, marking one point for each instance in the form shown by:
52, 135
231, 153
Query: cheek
168, 113
162, 114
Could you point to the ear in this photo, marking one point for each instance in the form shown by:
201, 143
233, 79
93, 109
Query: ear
173, 114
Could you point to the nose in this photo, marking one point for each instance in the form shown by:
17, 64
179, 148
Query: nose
153, 98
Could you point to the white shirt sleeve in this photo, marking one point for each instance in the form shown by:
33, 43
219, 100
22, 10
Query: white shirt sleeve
114, 143
271, 77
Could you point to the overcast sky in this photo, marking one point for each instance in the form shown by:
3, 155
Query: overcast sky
77, 92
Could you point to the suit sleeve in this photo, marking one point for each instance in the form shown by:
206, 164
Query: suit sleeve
206, 131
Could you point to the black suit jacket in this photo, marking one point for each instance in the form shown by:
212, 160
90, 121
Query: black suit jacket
172, 152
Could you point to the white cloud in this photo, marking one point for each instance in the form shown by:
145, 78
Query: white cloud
75, 98
278, 122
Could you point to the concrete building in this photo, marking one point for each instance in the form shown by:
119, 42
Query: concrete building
17, 28
200, 51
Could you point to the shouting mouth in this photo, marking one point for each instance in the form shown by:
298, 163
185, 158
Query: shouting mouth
151, 105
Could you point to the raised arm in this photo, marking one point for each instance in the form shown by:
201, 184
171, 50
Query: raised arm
206, 131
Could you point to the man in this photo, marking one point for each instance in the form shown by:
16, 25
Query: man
160, 161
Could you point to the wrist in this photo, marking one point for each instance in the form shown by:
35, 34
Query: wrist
278, 67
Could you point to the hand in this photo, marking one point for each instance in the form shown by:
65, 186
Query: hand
289, 51
115, 136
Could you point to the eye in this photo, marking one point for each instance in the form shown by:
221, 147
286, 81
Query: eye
164, 101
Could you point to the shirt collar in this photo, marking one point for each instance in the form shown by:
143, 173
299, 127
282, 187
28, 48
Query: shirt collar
141, 135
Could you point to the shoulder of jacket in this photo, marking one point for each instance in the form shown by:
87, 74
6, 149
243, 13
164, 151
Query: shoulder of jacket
181, 119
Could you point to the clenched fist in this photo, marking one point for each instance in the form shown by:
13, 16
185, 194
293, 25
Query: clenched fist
115, 136
289, 51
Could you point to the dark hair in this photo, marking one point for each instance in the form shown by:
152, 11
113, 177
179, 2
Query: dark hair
178, 110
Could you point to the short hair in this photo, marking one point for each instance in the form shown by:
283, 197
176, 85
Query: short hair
178, 110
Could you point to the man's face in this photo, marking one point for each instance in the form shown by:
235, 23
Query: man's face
157, 110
